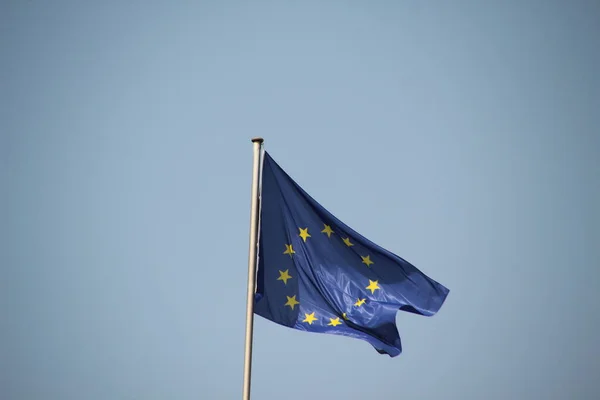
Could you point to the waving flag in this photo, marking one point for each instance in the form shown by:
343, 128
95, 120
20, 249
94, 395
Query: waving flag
317, 274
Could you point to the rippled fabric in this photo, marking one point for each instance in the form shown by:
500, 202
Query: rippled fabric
317, 274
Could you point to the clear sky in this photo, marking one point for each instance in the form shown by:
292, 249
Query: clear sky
462, 135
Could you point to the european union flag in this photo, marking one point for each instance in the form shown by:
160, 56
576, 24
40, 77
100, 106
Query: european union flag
317, 274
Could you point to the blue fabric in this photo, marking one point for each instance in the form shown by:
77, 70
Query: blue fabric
343, 283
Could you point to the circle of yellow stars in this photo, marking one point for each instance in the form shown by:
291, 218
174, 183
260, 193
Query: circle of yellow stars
284, 276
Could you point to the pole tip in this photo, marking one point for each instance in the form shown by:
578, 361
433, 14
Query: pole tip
257, 140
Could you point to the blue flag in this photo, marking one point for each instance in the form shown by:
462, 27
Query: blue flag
317, 274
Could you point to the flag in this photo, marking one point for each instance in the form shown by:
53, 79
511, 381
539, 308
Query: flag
316, 274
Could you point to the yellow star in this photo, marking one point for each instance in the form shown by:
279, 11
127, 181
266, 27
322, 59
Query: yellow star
344, 316
334, 322
289, 250
304, 234
360, 302
284, 276
291, 301
310, 318
367, 260
373, 286
327, 230
347, 241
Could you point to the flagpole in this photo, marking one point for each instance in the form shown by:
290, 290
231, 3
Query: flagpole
254, 207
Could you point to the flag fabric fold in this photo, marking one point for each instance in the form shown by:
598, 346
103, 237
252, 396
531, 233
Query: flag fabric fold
317, 274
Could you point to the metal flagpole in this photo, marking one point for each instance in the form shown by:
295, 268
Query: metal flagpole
254, 206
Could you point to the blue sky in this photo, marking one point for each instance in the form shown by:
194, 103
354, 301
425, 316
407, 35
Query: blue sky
463, 136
